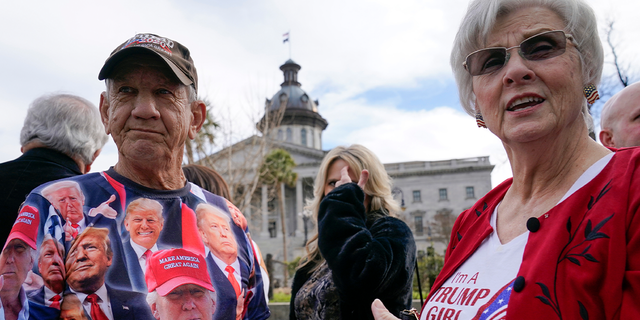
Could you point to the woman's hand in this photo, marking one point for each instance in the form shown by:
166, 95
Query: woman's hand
364, 177
380, 312
344, 177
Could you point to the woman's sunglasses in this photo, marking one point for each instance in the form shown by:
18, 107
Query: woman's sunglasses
542, 46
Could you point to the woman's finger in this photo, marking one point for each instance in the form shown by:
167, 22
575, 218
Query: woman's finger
364, 177
344, 176
380, 312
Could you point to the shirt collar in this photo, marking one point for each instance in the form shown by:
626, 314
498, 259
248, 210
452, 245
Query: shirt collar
140, 250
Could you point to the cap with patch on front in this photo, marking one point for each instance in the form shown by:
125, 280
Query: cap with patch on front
169, 269
26, 226
175, 55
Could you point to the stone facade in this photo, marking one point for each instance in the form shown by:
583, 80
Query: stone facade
432, 193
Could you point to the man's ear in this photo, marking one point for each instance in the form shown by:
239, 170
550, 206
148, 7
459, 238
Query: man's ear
606, 138
104, 111
154, 310
204, 238
199, 112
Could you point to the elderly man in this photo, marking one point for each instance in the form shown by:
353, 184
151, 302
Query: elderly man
68, 199
51, 268
620, 119
150, 109
66, 216
87, 263
16, 259
72, 308
179, 286
61, 137
222, 260
144, 222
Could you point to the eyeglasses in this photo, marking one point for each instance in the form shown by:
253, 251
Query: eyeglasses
542, 46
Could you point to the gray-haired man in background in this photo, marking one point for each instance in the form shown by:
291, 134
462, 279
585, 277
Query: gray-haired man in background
61, 137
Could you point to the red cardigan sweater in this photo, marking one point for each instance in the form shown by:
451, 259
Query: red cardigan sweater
582, 259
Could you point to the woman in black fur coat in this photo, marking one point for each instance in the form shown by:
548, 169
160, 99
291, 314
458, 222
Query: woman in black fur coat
360, 252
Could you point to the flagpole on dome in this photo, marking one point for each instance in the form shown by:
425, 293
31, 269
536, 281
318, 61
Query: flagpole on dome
286, 39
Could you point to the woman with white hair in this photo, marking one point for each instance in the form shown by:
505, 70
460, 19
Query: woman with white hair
560, 239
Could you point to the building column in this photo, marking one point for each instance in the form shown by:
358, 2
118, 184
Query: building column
247, 211
283, 202
299, 203
264, 232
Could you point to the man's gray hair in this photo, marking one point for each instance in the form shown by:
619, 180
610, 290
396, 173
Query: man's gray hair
204, 208
49, 190
56, 243
481, 17
66, 123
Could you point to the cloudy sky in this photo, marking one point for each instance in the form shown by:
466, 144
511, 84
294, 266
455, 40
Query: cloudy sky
379, 68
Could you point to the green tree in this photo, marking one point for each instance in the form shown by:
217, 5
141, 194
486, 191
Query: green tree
276, 171
429, 266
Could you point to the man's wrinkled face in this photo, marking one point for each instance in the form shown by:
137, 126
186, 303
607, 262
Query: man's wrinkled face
71, 308
144, 226
186, 302
69, 202
15, 263
87, 264
146, 110
51, 266
218, 236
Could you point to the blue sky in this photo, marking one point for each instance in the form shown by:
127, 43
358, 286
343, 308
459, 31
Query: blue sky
426, 95
379, 68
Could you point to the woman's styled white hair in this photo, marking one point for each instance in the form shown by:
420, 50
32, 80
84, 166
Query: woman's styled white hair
481, 16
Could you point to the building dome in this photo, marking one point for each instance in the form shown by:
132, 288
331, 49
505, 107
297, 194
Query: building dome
295, 98
291, 91
291, 109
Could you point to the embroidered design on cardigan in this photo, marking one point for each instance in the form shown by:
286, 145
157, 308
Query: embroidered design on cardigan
570, 253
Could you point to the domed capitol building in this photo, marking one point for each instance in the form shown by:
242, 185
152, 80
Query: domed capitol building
431, 193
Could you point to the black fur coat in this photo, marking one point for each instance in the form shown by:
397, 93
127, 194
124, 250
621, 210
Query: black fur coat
370, 255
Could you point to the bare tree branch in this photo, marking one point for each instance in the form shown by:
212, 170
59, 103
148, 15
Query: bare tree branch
612, 80
624, 79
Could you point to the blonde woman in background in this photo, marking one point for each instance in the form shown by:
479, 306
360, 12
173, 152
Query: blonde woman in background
360, 252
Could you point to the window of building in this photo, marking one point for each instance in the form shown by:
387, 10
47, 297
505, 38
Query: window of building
280, 134
416, 196
313, 139
442, 192
289, 135
272, 229
418, 224
470, 193
303, 137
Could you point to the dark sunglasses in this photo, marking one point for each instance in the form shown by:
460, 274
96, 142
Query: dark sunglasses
542, 46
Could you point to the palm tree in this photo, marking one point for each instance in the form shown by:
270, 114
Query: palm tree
276, 171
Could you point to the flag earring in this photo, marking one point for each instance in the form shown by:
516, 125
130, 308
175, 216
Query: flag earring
591, 93
480, 120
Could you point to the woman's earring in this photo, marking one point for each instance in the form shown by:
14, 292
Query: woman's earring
591, 93
480, 120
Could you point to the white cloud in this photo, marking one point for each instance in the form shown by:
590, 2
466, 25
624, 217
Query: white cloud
345, 49
399, 135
